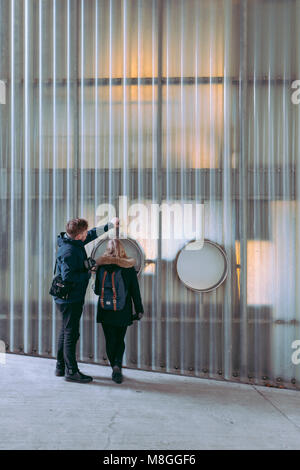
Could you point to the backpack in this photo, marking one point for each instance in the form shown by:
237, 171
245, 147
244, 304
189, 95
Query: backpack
111, 288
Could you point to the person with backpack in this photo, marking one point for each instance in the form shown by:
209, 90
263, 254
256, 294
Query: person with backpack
117, 285
71, 267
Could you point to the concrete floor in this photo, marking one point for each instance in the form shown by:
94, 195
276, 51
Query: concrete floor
149, 410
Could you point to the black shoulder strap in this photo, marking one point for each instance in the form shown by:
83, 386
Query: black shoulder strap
55, 267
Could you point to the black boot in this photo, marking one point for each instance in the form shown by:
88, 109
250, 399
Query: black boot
117, 375
59, 370
78, 377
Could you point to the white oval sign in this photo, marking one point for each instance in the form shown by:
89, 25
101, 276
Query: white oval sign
202, 270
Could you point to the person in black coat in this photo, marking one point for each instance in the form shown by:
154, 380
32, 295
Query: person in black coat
71, 256
115, 322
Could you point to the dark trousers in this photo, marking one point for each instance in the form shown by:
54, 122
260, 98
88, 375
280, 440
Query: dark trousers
69, 335
115, 344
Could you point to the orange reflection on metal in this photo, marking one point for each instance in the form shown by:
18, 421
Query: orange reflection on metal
260, 270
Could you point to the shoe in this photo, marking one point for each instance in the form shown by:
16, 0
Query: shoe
59, 372
78, 377
117, 375
60, 369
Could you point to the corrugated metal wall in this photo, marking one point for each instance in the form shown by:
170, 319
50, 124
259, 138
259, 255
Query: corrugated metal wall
162, 102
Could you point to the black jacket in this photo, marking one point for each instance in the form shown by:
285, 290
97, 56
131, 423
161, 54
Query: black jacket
121, 317
71, 255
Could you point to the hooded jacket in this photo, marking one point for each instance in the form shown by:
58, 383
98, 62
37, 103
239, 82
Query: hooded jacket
121, 317
71, 255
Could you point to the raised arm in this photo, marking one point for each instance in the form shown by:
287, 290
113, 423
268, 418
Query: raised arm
97, 232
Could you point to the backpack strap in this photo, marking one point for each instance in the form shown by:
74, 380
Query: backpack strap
114, 290
55, 267
102, 290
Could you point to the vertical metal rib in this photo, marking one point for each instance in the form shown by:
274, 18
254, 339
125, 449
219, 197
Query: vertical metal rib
125, 163
26, 175
54, 150
69, 169
227, 193
82, 142
110, 128
76, 169
125, 138
243, 187
182, 178
96, 164
139, 150
154, 160
12, 169
198, 298
40, 216
166, 157
159, 183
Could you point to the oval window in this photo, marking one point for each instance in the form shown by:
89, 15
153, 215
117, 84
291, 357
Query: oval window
202, 270
132, 248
